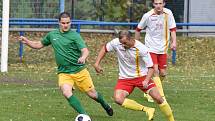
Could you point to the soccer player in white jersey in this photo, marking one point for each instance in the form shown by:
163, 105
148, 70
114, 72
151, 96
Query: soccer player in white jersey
135, 70
159, 23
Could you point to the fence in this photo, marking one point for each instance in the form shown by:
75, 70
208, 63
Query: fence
99, 10
31, 15
22, 24
79, 23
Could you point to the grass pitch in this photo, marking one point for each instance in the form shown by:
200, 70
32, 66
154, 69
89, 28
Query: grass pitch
29, 91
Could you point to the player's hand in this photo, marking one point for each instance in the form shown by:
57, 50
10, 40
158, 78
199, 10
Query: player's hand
81, 60
145, 84
23, 39
98, 68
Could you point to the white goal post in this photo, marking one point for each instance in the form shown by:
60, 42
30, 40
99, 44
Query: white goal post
5, 33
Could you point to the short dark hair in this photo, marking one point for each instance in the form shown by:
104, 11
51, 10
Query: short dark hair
124, 33
64, 15
154, 0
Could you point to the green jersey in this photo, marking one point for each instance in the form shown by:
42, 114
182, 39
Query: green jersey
67, 48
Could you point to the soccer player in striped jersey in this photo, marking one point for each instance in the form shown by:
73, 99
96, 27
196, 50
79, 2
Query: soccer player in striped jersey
135, 70
159, 23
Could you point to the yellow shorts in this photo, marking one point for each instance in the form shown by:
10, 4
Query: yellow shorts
82, 80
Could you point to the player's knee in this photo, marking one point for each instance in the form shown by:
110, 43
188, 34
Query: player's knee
159, 100
156, 71
162, 73
92, 94
156, 96
67, 93
118, 100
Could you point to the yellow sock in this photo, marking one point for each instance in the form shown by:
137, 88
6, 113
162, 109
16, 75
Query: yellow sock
167, 111
133, 105
159, 85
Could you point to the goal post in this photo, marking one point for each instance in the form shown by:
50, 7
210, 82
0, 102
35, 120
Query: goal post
5, 33
15, 10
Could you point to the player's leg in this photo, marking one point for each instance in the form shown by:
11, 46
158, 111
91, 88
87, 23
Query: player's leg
162, 74
159, 65
99, 98
163, 104
122, 90
85, 84
66, 84
156, 73
162, 60
154, 93
148, 97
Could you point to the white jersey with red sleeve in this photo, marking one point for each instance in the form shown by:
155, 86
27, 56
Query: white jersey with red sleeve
158, 29
133, 62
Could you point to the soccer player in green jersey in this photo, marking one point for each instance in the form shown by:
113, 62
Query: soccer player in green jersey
70, 55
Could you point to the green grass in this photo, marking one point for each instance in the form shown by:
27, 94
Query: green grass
29, 91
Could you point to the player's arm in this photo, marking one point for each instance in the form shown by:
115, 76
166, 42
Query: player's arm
150, 73
84, 54
100, 56
32, 44
148, 63
137, 34
141, 25
173, 40
148, 77
172, 26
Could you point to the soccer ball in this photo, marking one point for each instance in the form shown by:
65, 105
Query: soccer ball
82, 117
